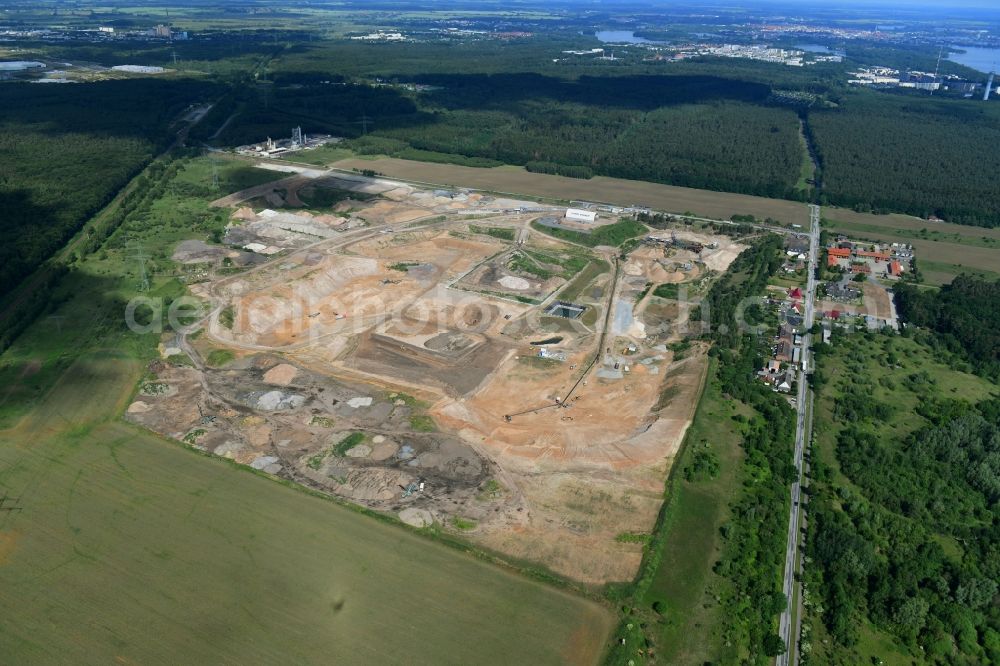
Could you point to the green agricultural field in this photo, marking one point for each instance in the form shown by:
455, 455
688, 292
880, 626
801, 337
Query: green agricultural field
133, 548
906, 226
941, 272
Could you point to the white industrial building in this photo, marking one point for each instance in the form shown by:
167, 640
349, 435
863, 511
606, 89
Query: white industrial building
580, 215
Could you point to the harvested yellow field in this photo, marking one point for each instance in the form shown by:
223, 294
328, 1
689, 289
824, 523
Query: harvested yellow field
601, 189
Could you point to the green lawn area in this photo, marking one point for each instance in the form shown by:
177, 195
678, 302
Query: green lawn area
321, 156
219, 357
788, 281
808, 169
573, 290
942, 272
571, 260
502, 233
669, 290
684, 586
608, 234
233, 175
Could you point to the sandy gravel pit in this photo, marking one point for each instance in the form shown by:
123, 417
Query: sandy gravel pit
414, 345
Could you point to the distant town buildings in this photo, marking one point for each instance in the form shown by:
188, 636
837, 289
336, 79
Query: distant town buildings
101, 33
138, 69
380, 37
790, 57
887, 77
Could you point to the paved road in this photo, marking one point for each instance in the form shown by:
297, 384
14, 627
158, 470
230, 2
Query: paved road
802, 435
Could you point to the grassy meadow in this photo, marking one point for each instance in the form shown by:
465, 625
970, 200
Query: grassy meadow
904, 376
683, 589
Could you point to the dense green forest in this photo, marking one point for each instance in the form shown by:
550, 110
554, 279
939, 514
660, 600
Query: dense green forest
66, 150
964, 315
710, 123
903, 537
717, 124
697, 131
911, 154
754, 550
754, 539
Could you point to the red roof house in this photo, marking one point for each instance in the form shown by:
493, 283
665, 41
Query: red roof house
877, 256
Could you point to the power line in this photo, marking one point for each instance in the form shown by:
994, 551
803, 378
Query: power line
140, 257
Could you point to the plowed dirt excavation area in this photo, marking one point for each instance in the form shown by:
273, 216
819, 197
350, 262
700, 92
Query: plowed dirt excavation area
452, 366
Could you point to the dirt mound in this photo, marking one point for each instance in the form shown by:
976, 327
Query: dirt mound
513, 282
281, 375
657, 273
416, 517
383, 451
139, 407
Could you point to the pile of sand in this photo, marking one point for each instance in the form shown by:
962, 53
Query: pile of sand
659, 274
359, 451
512, 282
416, 517
244, 213
329, 220
281, 375
632, 268
383, 450
263, 462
